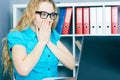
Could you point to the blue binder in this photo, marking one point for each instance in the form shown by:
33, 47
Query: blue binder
61, 20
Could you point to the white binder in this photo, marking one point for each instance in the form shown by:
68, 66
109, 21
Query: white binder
107, 20
93, 20
99, 20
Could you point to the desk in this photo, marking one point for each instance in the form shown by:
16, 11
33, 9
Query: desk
60, 78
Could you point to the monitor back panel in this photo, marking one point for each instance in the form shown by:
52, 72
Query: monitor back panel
100, 58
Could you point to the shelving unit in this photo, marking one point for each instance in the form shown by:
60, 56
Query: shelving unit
69, 39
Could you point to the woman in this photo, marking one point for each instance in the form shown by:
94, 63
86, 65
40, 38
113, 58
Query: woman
34, 47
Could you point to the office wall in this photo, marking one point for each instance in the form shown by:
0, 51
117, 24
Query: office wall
4, 17
4, 25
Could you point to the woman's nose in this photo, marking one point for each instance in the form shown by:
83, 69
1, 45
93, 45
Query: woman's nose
48, 18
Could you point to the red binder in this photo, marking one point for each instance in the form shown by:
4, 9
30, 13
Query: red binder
67, 21
79, 22
114, 18
86, 20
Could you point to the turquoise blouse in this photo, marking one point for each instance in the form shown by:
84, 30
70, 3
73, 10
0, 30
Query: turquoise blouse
47, 64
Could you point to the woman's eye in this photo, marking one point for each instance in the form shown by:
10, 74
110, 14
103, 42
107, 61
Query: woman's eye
43, 14
53, 14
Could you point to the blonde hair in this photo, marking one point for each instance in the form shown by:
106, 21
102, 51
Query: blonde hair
25, 21
27, 17
6, 61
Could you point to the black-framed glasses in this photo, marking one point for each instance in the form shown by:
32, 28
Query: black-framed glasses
44, 15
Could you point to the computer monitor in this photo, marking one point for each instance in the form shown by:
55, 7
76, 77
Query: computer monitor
100, 58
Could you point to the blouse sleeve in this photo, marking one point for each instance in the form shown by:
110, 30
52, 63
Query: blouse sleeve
56, 35
15, 37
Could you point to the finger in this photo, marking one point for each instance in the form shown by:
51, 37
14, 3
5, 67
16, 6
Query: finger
42, 25
45, 25
36, 30
48, 26
41, 28
50, 23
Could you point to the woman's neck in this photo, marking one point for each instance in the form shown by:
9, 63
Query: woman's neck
33, 27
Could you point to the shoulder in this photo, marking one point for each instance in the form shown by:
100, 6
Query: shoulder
14, 35
56, 34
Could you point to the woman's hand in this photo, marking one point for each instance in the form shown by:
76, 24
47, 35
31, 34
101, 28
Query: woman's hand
43, 31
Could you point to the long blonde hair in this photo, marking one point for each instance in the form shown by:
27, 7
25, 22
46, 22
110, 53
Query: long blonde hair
25, 21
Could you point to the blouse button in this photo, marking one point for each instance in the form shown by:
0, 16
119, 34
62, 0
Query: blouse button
48, 55
48, 69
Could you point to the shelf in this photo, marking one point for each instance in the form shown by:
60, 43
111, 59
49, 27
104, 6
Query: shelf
66, 35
